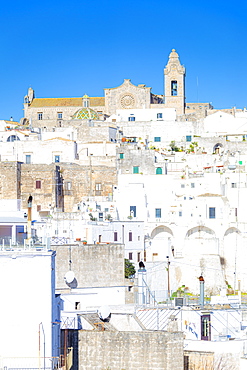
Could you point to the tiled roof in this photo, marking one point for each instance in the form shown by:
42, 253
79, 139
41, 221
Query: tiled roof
95, 102
65, 102
58, 138
11, 122
209, 195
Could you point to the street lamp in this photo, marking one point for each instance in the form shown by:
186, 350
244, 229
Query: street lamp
29, 216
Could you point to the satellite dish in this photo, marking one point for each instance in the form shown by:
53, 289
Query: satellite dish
104, 313
69, 277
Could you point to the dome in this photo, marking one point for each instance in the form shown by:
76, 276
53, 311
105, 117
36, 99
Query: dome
85, 113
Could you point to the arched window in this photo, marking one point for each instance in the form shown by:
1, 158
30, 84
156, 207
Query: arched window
13, 138
174, 88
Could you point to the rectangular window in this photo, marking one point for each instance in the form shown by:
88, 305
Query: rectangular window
159, 115
68, 188
40, 116
205, 327
211, 212
60, 115
98, 189
131, 118
157, 139
28, 158
38, 207
192, 185
115, 236
136, 169
68, 185
234, 185
38, 184
182, 185
157, 212
130, 256
130, 236
133, 211
180, 213
57, 158
101, 216
98, 186
121, 155
188, 138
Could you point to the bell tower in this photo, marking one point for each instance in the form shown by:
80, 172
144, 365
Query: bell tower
174, 89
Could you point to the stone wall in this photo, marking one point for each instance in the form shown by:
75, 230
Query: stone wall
94, 265
19, 181
130, 350
43, 196
132, 157
10, 180
203, 360
198, 360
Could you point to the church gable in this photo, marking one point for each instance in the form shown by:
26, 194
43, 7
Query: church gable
127, 96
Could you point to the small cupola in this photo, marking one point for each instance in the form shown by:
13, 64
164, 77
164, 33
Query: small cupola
85, 101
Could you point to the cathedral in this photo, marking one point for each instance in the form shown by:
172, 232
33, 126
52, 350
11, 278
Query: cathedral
125, 96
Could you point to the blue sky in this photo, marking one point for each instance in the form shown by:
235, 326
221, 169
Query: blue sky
67, 49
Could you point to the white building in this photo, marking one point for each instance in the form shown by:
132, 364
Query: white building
30, 313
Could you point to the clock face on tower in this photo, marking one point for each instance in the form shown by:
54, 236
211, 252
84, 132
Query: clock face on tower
127, 101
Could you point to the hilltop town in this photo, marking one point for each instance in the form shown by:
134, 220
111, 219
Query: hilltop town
88, 183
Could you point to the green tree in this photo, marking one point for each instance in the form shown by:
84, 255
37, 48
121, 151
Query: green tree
129, 268
173, 146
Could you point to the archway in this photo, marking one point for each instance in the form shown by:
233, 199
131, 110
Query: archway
201, 240
161, 244
12, 138
233, 259
217, 147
